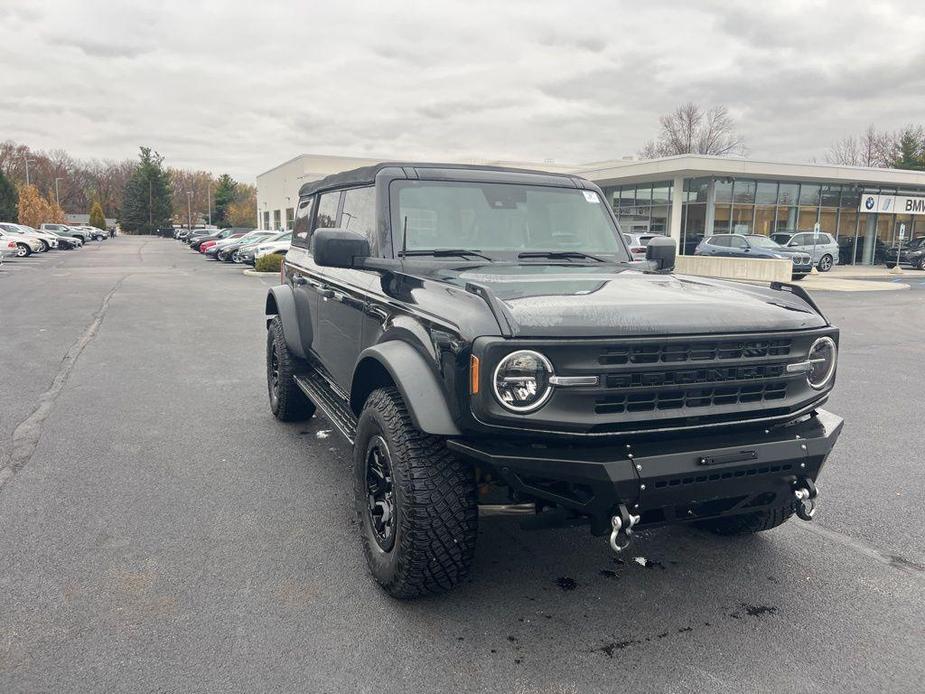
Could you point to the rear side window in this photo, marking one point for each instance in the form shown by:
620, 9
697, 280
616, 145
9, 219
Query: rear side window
301, 225
327, 211
737, 242
359, 212
719, 241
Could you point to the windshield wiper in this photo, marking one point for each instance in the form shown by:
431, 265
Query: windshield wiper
443, 253
560, 255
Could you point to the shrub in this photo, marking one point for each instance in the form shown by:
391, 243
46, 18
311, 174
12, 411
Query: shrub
97, 219
269, 263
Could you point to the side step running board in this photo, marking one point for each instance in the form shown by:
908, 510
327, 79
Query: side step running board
328, 401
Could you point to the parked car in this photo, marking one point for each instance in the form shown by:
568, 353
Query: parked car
280, 245
48, 239
229, 247
912, 254
208, 244
8, 249
66, 230
25, 244
66, 242
822, 246
245, 254
516, 372
197, 239
637, 243
755, 246
93, 233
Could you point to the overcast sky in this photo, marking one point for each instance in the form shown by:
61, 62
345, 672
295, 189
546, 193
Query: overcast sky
237, 86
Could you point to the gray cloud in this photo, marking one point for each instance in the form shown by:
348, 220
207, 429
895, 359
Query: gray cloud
246, 87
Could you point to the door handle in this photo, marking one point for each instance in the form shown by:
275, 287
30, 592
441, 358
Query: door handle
326, 292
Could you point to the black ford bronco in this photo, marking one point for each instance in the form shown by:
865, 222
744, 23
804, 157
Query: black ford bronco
485, 341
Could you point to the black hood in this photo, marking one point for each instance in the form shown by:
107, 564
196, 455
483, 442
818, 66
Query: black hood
591, 301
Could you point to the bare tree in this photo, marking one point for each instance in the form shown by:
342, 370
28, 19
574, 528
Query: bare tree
873, 148
689, 129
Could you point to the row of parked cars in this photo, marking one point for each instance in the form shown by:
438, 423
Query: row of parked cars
21, 240
235, 245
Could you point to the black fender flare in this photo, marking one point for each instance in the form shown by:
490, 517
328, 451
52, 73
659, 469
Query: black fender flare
416, 381
280, 302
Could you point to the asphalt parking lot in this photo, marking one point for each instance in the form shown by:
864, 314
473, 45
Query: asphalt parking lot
162, 532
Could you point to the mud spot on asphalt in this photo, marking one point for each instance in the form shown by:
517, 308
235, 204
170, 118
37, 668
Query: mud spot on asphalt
649, 564
566, 583
609, 649
662, 635
518, 661
684, 629
512, 639
607, 573
758, 610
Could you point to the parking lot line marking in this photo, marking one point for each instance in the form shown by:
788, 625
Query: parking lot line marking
27, 433
892, 560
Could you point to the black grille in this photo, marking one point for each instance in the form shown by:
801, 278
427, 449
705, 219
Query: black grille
691, 398
673, 352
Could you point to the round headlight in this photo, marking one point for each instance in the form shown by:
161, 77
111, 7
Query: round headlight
521, 381
822, 356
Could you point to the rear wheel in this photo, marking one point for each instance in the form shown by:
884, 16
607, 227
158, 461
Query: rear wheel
287, 401
416, 502
749, 522
825, 263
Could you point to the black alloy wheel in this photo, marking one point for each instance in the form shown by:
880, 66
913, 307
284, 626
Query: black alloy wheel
380, 496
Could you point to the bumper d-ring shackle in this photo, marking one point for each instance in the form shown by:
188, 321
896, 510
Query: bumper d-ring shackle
623, 523
805, 494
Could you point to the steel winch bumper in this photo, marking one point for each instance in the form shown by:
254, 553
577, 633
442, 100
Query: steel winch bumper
665, 479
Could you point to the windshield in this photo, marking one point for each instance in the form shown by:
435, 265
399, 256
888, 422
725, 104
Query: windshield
762, 242
502, 220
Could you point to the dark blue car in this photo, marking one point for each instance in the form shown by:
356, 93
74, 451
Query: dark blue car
754, 246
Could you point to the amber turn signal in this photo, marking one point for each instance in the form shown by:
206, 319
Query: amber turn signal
473, 375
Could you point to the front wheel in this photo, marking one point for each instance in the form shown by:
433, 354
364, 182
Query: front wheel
45, 246
921, 264
22, 250
287, 401
416, 502
749, 522
825, 263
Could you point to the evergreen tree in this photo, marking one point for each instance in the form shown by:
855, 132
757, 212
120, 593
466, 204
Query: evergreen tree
97, 218
910, 149
146, 202
224, 196
9, 200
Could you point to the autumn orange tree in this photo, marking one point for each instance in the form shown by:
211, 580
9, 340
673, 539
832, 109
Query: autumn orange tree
33, 209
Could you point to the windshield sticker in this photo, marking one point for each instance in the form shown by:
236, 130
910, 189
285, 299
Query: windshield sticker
591, 196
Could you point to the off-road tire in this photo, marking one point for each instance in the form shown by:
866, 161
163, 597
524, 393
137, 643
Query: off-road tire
749, 522
287, 401
435, 503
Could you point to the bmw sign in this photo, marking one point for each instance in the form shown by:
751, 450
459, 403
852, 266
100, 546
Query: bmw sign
870, 202
889, 204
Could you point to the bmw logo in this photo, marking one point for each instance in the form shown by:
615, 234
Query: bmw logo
869, 203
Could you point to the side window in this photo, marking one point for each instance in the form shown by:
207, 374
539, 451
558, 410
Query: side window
359, 212
327, 211
301, 225
719, 241
801, 240
737, 242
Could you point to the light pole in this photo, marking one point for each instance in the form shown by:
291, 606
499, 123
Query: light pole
27, 168
57, 199
189, 209
209, 198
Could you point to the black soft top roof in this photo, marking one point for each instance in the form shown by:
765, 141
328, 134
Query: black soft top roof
366, 175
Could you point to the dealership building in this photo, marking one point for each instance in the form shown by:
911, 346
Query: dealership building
692, 196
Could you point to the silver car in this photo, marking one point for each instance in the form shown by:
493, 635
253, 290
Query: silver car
25, 244
821, 246
49, 239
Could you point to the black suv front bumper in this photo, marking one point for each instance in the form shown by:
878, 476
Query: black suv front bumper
664, 479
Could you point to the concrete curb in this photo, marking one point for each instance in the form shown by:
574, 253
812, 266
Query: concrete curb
254, 273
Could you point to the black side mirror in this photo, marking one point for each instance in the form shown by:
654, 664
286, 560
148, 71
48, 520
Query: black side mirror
339, 248
661, 250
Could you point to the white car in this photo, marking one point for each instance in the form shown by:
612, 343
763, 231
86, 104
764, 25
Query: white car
280, 246
7, 249
25, 244
637, 243
50, 240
